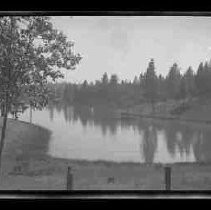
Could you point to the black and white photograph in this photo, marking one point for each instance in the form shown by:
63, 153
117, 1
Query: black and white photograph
105, 103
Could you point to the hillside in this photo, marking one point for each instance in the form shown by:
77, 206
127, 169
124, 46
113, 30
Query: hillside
194, 109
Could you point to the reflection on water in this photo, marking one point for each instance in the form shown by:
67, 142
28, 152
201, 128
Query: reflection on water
94, 133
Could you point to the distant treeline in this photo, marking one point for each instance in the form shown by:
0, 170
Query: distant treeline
148, 87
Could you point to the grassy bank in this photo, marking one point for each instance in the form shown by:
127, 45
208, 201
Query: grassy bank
26, 166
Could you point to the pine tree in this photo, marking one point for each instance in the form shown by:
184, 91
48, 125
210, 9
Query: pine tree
173, 81
189, 82
113, 80
85, 84
135, 81
150, 83
105, 79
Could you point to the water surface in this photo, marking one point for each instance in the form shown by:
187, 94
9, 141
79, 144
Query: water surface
95, 134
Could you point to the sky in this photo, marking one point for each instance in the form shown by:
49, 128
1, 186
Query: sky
124, 45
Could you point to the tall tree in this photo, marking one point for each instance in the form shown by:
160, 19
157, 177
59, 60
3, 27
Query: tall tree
105, 79
141, 79
151, 83
173, 81
200, 78
189, 82
85, 84
135, 80
161, 87
31, 54
114, 80
207, 75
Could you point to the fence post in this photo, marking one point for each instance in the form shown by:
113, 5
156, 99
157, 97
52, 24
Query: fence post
69, 179
167, 177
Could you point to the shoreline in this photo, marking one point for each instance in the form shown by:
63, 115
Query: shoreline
126, 163
129, 115
27, 166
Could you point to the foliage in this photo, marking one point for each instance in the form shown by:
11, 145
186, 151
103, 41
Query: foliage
173, 81
148, 87
203, 78
31, 54
150, 84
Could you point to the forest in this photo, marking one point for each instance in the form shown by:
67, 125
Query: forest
148, 87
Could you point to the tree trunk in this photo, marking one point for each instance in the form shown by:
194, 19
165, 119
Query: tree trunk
2, 110
30, 114
3, 132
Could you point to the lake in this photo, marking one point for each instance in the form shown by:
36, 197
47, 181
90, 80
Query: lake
93, 133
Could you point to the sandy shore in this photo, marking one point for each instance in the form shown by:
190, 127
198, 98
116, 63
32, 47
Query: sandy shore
26, 166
